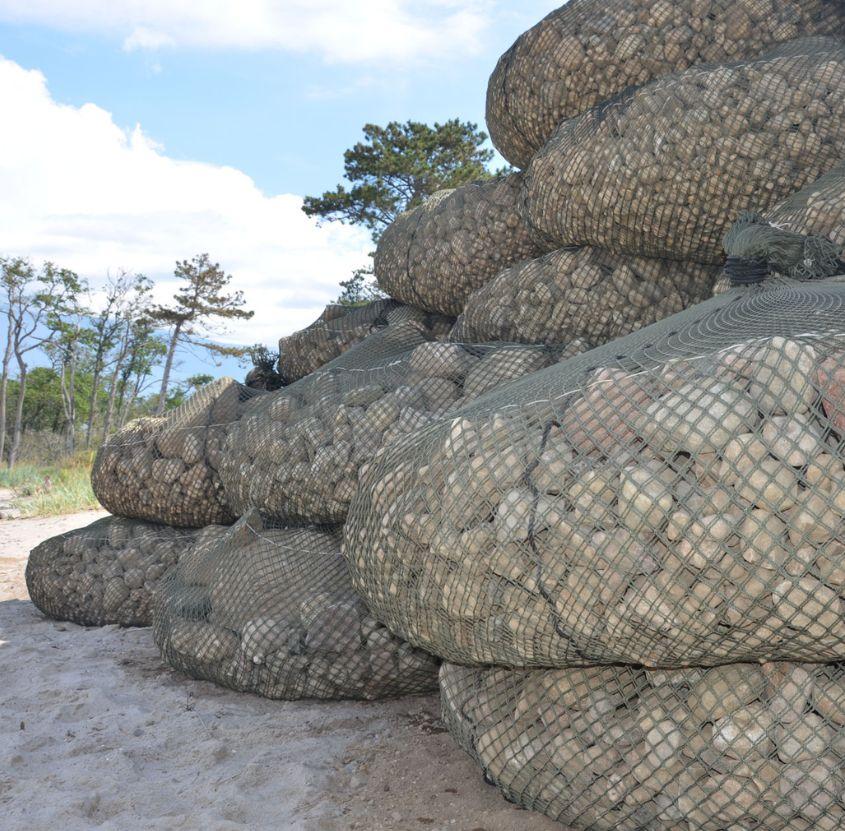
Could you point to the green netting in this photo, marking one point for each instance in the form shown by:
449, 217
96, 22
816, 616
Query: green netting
105, 572
297, 455
166, 469
802, 237
435, 255
582, 293
272, 611
740, 747
674, 497
663, 170
588, 51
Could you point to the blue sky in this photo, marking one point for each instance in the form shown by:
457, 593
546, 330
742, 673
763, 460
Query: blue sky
150, 130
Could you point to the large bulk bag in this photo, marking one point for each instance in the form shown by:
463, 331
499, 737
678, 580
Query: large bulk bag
581, 293
663, 170
104, 573
297, 455
272, 611
588, 51
166, 469
739, 746
674, 497
436, 254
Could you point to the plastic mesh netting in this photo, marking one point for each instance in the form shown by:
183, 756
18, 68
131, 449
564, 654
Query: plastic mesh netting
165, 469
104, 573
435, 255
588, 51
663, 170
341, 327
740, 746
272, 611
671, 498
582, 293
297, 455
802, 237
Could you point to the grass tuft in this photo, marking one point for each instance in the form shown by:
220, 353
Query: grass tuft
50, 490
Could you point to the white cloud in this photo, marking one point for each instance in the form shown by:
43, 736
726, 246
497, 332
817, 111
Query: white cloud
338, 30
88, 195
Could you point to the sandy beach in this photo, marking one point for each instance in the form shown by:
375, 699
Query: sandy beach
96, 732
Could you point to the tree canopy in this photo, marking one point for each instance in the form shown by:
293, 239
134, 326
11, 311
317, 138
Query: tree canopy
396, 167
200, 298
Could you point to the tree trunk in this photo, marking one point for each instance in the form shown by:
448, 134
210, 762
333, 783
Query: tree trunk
18, 428
114, 382
4, 385
92, 401
168, 365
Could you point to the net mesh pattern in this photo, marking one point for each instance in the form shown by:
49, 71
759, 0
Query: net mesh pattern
802, 237
341, 327
740, 746
674, 497
104, 573
435, 255
272, 611
817, 209
663, 170
589, 51
584, 293
298, 454
166, 469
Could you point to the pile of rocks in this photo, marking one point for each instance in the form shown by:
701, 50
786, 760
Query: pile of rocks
589, 51
165, 469
104, 573
272, 611
625, 748
581, 293
298, 453
662, 171
435, 255
692, 513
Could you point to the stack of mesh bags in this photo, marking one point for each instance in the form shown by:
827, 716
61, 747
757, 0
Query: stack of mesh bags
662, 170
166, 469
271, 610
339, 328
297, 455
590, 51
605, 551
159, 477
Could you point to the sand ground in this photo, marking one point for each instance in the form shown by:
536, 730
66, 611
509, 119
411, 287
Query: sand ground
95, 732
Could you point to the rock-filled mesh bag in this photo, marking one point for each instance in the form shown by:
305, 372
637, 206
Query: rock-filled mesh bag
106, 572
589, 51
272, 611
166, 469
435, 255
662, 171
297, 455
674, 497
584, 294
739, 746
339, 328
